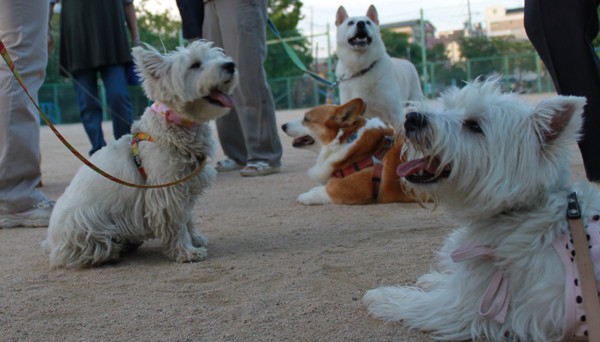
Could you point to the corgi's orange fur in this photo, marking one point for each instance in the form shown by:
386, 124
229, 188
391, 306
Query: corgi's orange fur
348, 139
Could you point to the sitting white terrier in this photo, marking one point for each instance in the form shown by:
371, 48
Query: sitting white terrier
96, 219
500, 167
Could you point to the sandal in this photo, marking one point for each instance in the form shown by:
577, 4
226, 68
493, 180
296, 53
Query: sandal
258, 168
228, 165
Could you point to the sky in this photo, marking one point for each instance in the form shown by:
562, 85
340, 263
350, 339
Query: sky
443, 14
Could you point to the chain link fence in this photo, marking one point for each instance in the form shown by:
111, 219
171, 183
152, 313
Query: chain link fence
523, 73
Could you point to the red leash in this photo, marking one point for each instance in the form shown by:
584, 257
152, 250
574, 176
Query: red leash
11, 65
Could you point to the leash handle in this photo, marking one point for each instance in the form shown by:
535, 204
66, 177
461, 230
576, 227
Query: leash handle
11, 66
591, 304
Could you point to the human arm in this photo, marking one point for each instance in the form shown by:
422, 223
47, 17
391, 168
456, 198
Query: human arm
131, 20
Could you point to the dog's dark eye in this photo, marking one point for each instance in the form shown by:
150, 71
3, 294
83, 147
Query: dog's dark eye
350, 23
473, 126
368, 22
305, 120
195, 65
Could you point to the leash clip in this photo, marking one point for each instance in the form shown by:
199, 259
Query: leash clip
573, 211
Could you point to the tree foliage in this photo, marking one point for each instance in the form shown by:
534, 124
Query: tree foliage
397, 45
159, 29
286, 15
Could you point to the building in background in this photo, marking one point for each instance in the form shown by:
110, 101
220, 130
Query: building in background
503, 22
413, 29
450, 41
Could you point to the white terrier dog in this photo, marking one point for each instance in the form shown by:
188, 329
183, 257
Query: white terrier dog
500, 166
96, 219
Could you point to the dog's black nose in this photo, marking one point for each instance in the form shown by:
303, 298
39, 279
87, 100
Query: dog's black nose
284, 127
414, 121
360, 24
229, 67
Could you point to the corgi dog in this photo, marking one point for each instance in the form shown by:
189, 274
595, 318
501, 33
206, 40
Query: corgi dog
357, 159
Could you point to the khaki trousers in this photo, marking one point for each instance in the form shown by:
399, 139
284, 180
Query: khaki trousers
249, 132
23, 30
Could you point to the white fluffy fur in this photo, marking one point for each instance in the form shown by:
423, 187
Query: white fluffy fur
508, 190
388, 85
96, 219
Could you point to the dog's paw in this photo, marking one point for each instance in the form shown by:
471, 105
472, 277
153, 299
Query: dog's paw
191, 255
199, 240
314, 196
388, 303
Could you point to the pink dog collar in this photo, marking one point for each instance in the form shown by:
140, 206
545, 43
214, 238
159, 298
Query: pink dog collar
171, 117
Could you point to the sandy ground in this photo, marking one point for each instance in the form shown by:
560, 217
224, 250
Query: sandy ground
276, 270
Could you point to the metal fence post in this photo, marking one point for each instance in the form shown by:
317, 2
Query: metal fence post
288, 85
468, 69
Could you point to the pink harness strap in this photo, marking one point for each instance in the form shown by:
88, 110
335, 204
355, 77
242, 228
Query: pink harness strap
495, 299
494, 302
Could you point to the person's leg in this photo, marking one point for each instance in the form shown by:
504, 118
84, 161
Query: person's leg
245, 41
90, 109
117, 98
230, 134
23, 30
562, 32
192, 18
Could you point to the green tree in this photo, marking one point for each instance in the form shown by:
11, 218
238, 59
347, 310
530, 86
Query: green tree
52, 68
286, 14
397, 45
158, 29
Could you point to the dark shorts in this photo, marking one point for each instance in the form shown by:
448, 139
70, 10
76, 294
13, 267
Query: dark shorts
192, 16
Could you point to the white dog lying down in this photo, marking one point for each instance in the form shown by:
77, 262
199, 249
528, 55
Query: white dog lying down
500, 166
365, 70
95, 219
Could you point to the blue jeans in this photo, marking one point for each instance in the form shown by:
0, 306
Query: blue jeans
117, 98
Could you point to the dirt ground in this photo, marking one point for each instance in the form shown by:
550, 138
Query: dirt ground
276, 270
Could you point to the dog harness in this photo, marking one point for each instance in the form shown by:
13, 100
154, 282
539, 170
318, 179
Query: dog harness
135, 139
495, 299
171, 117
575, 322
375, 160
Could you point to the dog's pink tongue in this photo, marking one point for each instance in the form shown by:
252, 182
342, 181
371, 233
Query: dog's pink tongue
224, 99
413, 166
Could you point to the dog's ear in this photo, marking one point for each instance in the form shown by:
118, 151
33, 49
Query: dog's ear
150, 63
349, 112
559, 118
372, 14
340, 16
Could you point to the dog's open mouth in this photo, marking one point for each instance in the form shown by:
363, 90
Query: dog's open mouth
305, 140
219, 98
424, 170
361, 39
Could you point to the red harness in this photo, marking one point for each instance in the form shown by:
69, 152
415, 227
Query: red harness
375, 160
135, 139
